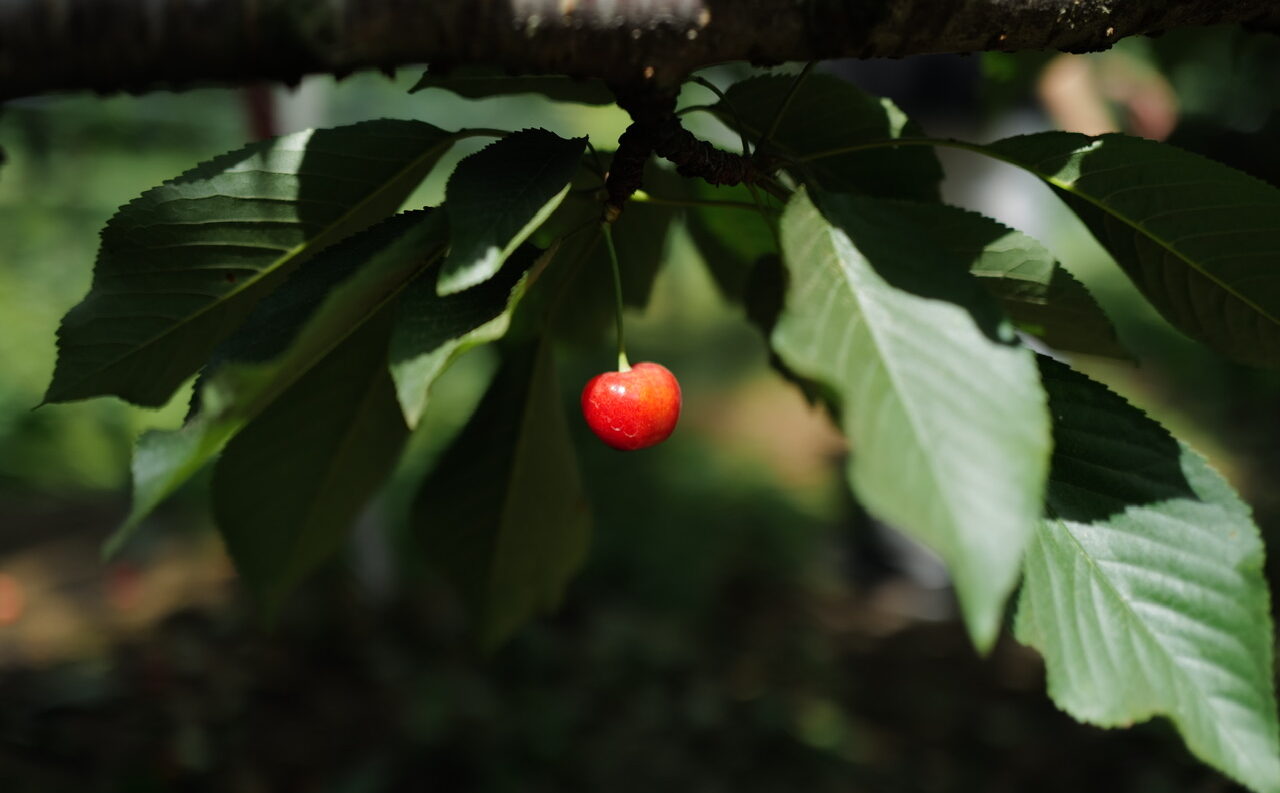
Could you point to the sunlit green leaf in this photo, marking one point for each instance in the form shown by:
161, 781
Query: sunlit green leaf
942, 407
1144, 587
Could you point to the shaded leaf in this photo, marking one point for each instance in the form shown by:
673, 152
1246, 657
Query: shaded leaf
504, 515
1144, 586
287, 334
826, 114
181, 266
474, 82
943, 409
1035, 290
580, 283
498, 196
1199, 239
730, 240
289, 486
432, 331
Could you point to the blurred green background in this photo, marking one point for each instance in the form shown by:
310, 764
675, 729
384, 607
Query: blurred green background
741, 625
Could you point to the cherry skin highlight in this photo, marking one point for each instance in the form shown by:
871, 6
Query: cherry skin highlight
632, 409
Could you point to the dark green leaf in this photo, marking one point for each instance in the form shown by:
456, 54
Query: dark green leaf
827, 114
289, 486
1144, 587
504, 515
498, 196
1201, 240
482, 82
286, 335
180, 267
942, 407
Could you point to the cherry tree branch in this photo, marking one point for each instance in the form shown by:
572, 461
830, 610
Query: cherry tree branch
140, 45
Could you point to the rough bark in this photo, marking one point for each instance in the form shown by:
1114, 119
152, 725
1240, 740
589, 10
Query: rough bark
137, 45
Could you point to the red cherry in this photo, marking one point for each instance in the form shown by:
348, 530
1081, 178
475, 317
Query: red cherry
632, 409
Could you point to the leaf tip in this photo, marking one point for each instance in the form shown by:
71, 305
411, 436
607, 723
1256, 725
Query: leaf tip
983, 627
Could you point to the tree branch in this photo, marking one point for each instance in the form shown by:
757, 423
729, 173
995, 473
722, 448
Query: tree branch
138, 45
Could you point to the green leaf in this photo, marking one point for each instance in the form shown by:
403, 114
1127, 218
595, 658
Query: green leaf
288, 333
825, 114
473, 82
942, 407
504, 515
498, 196
432, 331
1199, 239
289, 486
1144, 586
1035, 290
181, 266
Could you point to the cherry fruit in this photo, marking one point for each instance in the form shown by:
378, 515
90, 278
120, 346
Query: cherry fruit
634, 408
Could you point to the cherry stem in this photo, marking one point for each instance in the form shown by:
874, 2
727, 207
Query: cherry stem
623, 364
